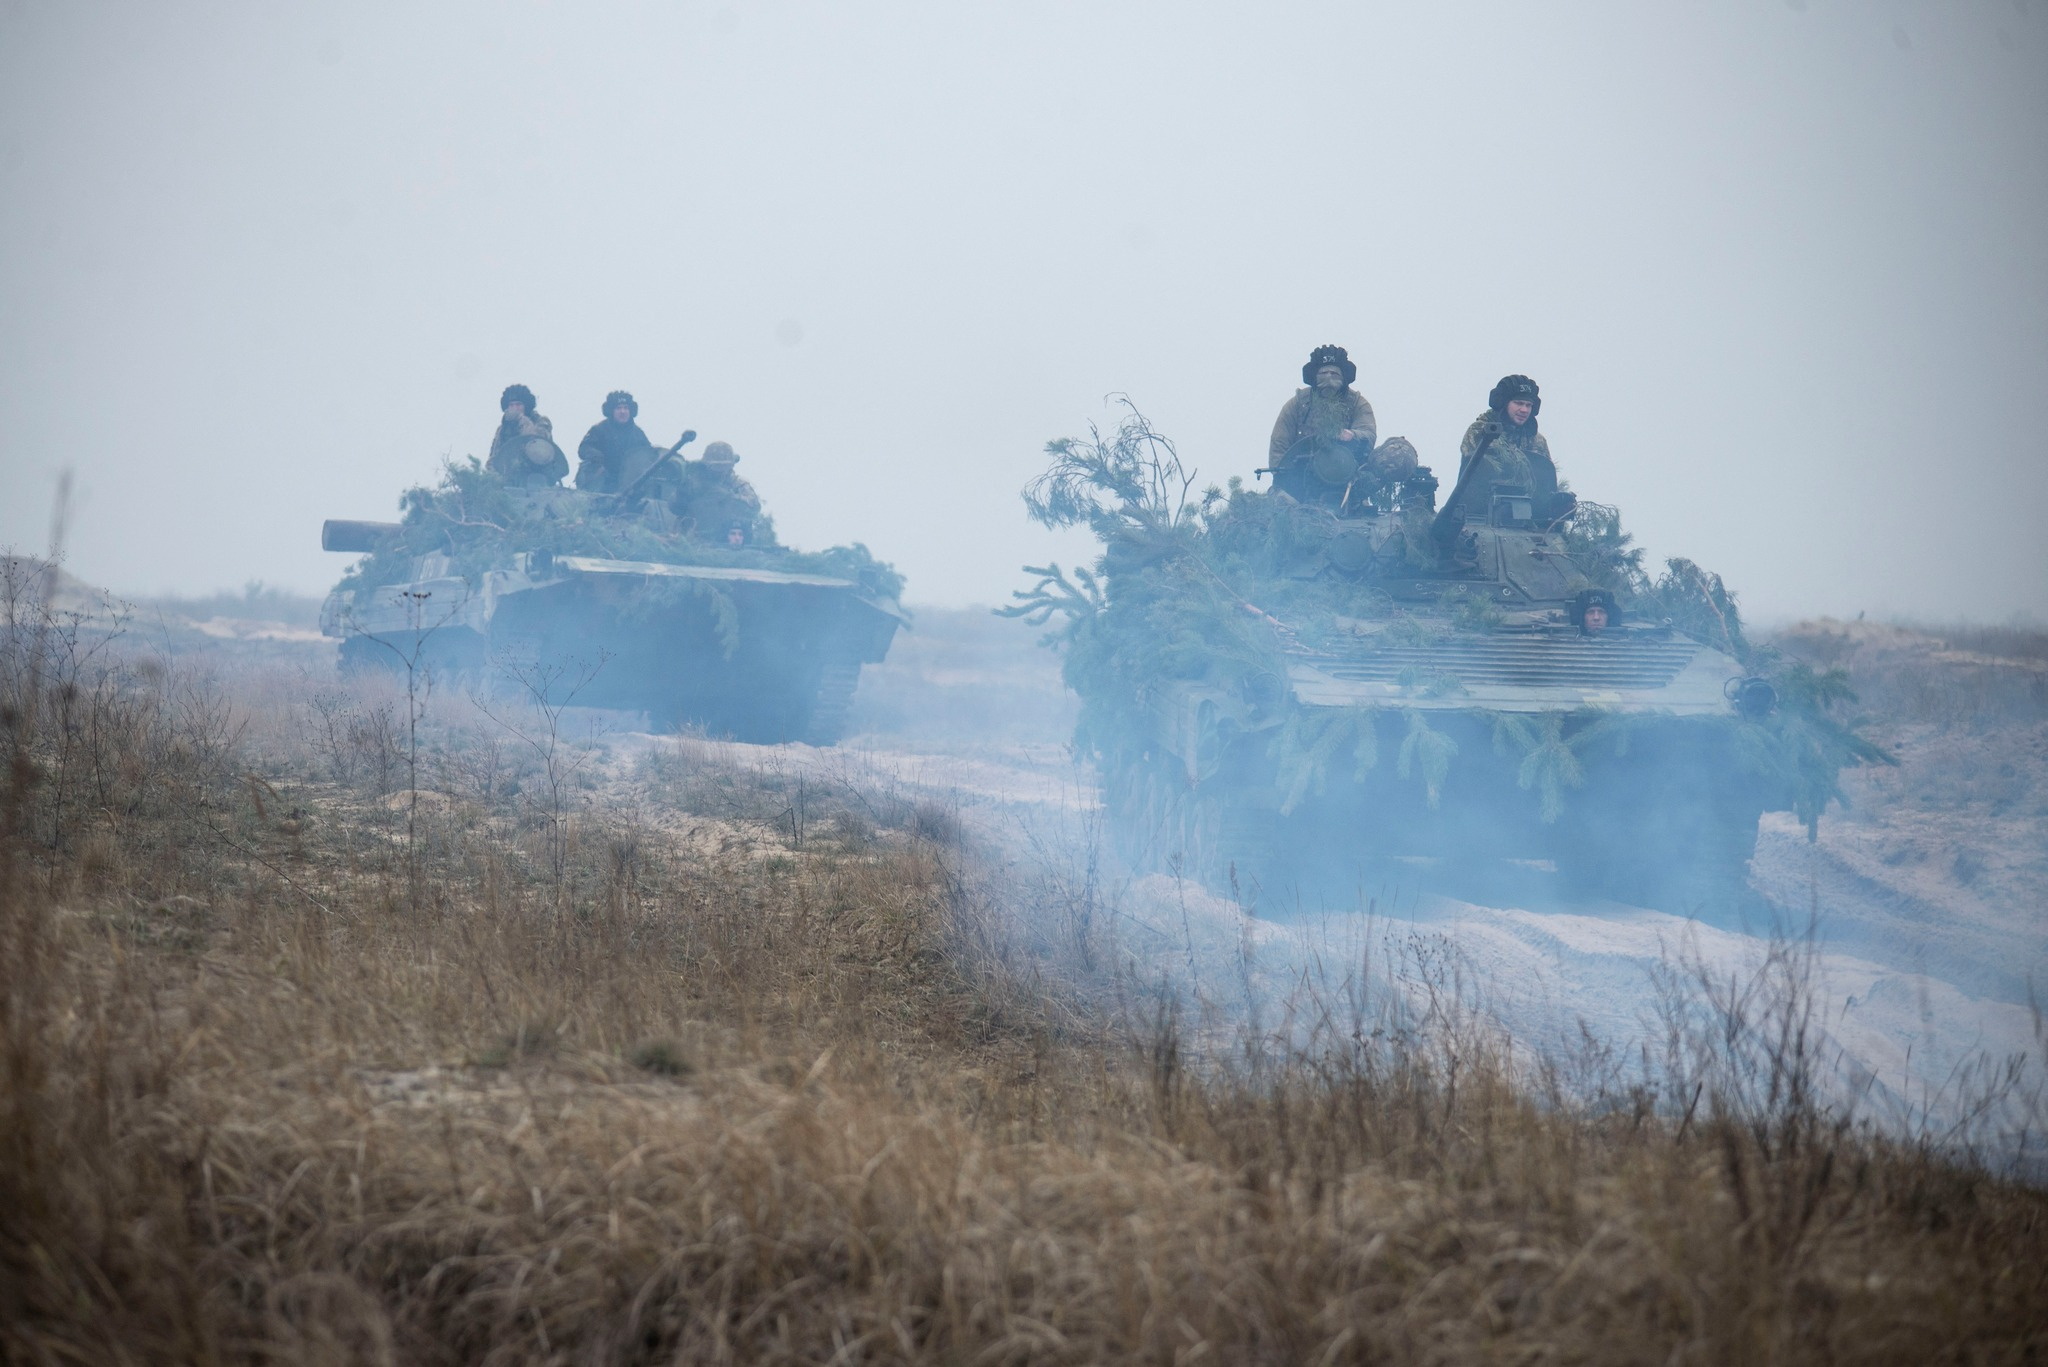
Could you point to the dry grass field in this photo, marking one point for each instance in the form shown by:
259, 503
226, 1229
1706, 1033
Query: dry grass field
339, 1025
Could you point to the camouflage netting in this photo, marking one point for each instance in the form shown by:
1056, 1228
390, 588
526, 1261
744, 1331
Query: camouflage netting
1193, 588
479, 522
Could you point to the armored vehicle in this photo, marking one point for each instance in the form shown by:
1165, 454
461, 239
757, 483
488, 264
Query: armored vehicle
574, 593
1279, 690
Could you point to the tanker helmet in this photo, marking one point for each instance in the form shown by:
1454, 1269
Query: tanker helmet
1328, 355
1587, 598
1334, 465
1513, 387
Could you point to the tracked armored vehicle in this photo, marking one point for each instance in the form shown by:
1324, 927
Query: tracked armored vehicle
1495, 725
572, 592
1279, 692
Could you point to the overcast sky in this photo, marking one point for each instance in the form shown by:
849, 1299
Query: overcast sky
1780, 266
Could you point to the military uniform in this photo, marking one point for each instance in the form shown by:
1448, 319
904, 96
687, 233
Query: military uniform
1311, 460
614, 454
713, 498
1517, 455
1508, 452
523, 450
1321, 417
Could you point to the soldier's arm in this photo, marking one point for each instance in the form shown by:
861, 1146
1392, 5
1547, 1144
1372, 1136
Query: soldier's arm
1544, 469
1363, 423
1284, 430
1473, 434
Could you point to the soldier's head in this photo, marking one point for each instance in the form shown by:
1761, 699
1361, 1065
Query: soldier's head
1329, 369
516, 394
1516, 398
719, 458
621, 407
736, 535
1594, 611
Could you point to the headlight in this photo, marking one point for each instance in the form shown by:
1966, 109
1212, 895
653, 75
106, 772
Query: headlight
1753, 697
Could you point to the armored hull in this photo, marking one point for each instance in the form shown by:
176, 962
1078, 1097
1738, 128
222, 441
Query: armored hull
763, 652
1462, 715
1278, 688
1613, 760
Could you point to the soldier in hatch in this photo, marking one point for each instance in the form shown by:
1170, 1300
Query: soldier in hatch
1511, 451
714, 501
1323, 441
615, 452
1593, 611
523, 448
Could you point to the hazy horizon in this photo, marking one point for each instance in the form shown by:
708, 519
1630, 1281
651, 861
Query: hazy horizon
1781, 267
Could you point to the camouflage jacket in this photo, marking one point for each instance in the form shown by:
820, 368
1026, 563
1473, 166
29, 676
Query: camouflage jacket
1299, 418
523, 450
1516, 455
711, 503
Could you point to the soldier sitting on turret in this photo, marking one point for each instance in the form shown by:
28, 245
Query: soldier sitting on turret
523, 448
1322, 448
614, 452
1511, 451
714, 501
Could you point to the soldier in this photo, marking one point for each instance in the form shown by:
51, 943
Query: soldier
1323, 440
523, 448
1513, 452
714, 500
1592, 611
614, 452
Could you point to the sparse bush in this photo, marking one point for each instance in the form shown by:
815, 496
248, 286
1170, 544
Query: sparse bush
663, 1057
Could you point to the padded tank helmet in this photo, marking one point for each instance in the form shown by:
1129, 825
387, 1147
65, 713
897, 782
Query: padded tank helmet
1587, 598
516, 392
1512, 387
620, 396
1328, 355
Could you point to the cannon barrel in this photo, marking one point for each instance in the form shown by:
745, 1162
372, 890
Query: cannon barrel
342, 534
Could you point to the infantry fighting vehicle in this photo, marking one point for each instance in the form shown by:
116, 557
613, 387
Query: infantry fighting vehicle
566, 591
1279, 691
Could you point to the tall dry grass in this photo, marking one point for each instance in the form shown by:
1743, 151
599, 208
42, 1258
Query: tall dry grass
287, 1076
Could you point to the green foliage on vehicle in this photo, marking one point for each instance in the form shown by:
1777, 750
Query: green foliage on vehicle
1205, 589
479, 522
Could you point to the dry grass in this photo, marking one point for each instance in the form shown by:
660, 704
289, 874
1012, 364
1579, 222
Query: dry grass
1956, 676
653, 1077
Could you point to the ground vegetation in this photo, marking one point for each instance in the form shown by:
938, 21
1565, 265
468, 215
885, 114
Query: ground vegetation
311, 1054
